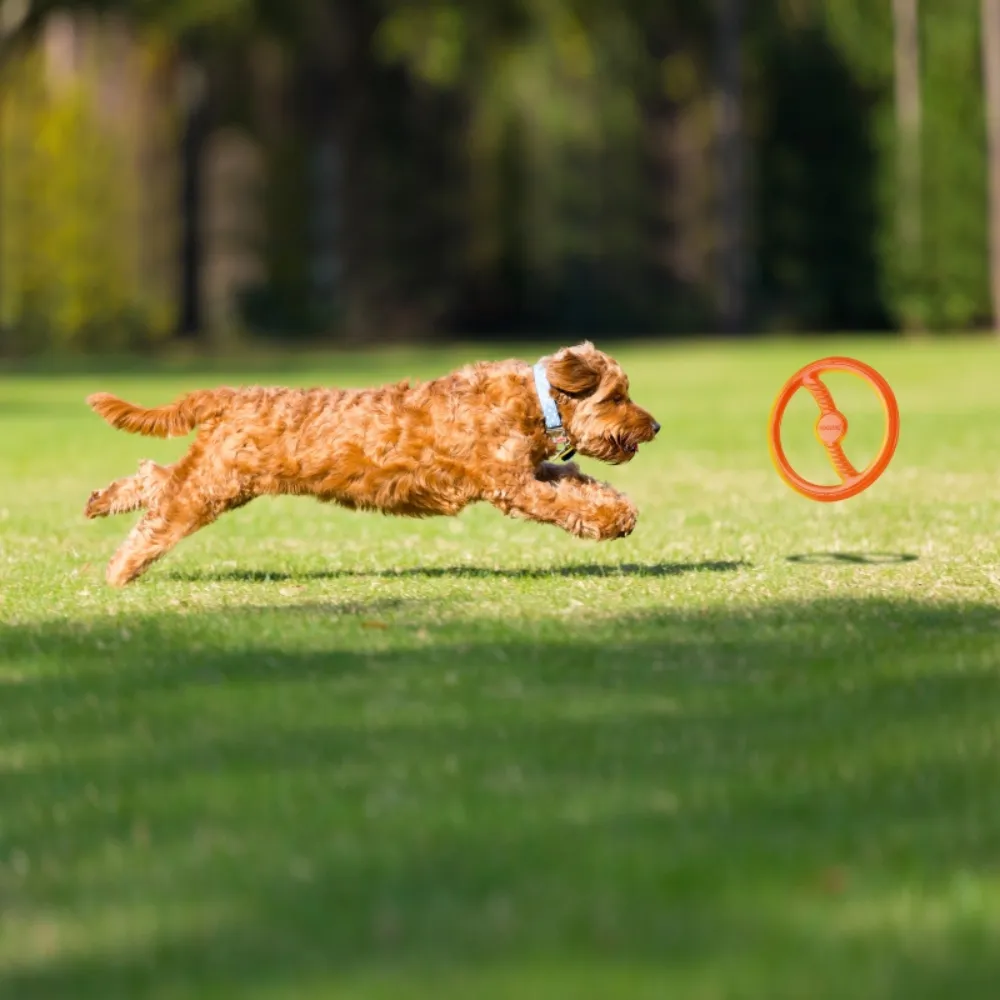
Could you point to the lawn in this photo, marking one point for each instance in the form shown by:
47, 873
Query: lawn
751, 752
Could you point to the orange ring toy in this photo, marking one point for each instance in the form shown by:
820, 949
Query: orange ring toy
831, 428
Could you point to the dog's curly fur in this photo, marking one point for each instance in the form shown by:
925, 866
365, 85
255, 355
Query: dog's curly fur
433, 448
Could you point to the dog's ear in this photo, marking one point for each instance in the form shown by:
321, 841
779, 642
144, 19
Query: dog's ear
576, 371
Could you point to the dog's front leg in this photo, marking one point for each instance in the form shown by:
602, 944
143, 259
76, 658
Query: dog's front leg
583, 507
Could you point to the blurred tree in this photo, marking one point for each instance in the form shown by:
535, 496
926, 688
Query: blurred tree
906, 58
818, 214
953, 288
575, 166
990, 27
950, 290
86, 193
732, 166
555, 230
679, 132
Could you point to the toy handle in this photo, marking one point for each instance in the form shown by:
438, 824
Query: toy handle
831, 431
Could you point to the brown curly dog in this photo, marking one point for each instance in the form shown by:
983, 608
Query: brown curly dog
482, 433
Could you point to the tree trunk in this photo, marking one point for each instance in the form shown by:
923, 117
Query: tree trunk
194, 131
906, 45
338, 40
731, 153
990, 10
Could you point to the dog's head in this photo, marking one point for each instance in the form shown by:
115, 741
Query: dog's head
592, 393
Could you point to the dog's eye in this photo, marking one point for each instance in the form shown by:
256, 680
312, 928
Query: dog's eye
618, 399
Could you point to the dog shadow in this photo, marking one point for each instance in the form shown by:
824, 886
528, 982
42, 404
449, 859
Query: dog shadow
576, 570
854, 558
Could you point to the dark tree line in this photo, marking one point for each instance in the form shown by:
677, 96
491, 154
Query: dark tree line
583, 168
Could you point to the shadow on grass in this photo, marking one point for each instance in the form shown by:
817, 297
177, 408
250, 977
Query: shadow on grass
241, 804
474, 572
854, 558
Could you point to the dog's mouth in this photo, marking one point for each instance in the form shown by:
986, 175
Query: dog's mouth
621, 450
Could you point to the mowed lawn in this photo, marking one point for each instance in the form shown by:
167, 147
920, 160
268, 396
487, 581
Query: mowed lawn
751, 752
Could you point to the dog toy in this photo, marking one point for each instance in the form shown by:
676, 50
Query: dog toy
831, 428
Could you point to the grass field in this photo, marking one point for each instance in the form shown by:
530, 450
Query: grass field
751, 752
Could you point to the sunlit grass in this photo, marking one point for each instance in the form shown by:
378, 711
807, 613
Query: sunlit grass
750, 751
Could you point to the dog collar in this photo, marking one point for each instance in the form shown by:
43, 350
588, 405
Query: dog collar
553, 422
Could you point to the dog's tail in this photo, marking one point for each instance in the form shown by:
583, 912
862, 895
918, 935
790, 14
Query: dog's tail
174, 420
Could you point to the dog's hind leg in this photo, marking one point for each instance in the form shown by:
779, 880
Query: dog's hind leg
192, 498
130, 493
157, 533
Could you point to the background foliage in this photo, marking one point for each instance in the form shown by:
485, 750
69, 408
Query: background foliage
516, 165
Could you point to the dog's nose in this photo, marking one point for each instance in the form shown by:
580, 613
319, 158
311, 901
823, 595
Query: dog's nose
656, 427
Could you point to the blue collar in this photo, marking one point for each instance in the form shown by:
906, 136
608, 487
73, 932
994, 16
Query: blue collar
553, 422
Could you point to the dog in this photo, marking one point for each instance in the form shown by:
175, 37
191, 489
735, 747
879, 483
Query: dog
485, 433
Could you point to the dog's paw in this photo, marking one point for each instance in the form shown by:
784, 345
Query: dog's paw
120, 572
96, 507
608, 522
625, 522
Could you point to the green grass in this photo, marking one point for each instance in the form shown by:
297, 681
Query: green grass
316, 754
